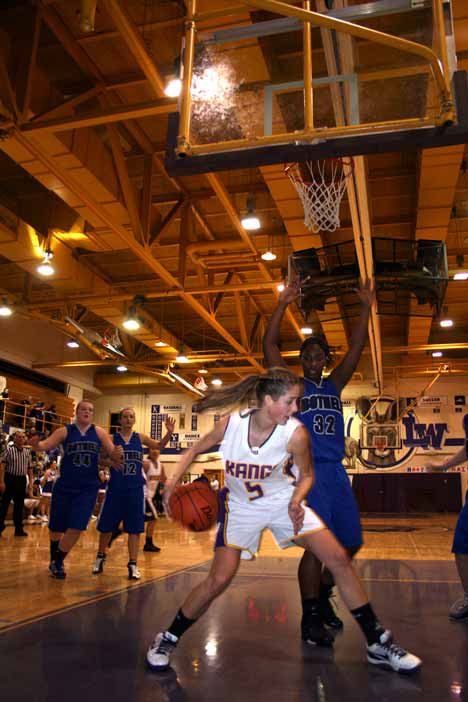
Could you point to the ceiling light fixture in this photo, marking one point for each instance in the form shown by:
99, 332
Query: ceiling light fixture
202, 371
122, 369
437, 354
160, 343
268, 256
131, 322
5, 310
173, 87
280, 287
46, 268
461, 275
444, 320
217, 382
249, 220
181, 357
306, 330
72, 344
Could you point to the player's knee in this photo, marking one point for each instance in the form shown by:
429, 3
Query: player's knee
218, 582
338, 561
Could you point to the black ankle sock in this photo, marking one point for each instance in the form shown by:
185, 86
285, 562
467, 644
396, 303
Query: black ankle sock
60, 555
367, 620
325, 591
180, 624
101, 554
149, 540
310, 605
53, 549
131, 562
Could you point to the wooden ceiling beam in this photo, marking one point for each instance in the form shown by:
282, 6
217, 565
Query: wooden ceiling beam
118, 113
27, 54
125, 182
145, 202
162, 226
131, 36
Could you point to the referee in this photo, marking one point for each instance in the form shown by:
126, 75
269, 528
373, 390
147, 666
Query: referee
15, 465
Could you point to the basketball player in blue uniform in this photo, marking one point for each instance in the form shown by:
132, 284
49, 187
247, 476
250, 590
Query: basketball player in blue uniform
124, 500
332, 497
75, 492
268, 473
459, 610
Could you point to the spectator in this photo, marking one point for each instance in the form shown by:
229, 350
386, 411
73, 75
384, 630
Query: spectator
50, 419
155, 479
27, 405
15, 466
37, 414
47, 484
4, 396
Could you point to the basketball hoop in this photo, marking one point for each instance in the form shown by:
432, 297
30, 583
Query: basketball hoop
320, 186
379, 442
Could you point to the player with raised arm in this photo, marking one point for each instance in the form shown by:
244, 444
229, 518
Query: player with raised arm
124, 500
321, 412
75, 491
268, 470
459, 609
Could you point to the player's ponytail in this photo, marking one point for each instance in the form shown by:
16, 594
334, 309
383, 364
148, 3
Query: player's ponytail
250, 391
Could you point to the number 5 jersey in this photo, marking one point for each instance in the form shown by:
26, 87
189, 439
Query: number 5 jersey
254, 472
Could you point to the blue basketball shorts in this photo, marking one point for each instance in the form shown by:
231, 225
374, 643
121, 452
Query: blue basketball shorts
127, 506
71, 507
460, 538
332, 498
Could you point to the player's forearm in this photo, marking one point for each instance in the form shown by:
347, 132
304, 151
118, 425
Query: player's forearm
183, 465
359, 333
271, 338
165, 440
303, 487
459, 457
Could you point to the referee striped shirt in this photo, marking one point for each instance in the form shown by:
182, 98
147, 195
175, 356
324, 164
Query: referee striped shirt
17, 461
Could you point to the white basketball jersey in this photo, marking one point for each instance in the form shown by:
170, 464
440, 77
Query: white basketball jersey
253, 472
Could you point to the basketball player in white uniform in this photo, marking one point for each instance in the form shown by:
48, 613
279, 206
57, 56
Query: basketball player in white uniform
259, 449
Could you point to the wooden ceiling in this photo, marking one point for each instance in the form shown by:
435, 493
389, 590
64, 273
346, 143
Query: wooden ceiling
83, 120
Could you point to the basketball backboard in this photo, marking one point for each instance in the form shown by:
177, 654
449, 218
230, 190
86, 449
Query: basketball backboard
258, 95
380, 437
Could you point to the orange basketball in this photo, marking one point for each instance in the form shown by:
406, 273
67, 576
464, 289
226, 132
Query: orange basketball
194, 505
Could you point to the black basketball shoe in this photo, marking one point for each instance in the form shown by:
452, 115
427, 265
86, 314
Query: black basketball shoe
313, 631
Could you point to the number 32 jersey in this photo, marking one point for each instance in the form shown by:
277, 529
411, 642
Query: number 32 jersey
254, 472
321, 412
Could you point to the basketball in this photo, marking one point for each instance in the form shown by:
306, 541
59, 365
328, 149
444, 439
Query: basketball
194, 505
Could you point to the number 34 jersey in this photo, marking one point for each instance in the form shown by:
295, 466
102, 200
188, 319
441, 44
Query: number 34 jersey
254, 472
322, 413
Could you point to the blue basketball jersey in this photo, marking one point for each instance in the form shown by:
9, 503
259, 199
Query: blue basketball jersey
131, 474
79, 465
322, 413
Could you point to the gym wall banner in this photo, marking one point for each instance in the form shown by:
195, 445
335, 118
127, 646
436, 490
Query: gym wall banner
429, 432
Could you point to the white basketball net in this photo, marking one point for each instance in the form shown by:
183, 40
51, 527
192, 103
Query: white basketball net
322, 194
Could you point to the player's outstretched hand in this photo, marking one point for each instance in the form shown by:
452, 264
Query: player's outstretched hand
290, 292
435, 467
296, 514
366, 293
169, 487
170, 424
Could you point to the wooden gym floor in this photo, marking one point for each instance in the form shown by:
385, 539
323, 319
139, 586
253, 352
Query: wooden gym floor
87, 635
